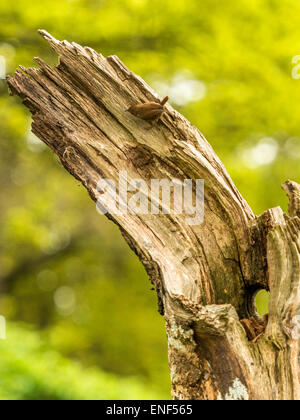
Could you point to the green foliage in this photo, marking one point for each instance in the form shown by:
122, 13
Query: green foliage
227, 67
262, 302
31, 370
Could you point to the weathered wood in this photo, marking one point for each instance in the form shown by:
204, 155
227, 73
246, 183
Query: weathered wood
206, 276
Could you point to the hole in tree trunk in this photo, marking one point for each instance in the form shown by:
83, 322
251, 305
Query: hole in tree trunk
258, 308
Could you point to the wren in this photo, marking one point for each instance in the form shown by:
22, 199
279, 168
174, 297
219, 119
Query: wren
149, 111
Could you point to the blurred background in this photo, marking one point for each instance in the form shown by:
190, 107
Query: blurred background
82, 322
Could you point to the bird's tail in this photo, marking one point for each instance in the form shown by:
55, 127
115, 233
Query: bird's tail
164, 101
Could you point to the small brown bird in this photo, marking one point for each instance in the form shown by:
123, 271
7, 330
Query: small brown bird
150, 111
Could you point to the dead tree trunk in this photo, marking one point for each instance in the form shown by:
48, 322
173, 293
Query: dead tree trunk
206, 276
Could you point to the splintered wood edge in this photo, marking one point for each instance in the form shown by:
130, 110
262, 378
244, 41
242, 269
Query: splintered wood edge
292, 190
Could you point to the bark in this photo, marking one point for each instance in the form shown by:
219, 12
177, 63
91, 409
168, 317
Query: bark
206, 276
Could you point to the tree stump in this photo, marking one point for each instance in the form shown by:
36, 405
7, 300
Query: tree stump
206, 276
